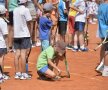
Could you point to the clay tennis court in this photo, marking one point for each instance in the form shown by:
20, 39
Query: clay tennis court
82, 69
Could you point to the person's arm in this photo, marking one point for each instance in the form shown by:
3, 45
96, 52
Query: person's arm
6, 40
76, 9
54, 66
37, 5
65, 9
6, 5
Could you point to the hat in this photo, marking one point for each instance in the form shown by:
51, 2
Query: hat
2, 9
22, 1
61, 46
48, 6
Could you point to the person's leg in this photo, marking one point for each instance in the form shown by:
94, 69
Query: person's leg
50, 74
62, 30
105, 70
16, 62
23, 60
5, 77
75, 47
45, 44
2, 62
71, 30
34, 33
81, 38
100, 67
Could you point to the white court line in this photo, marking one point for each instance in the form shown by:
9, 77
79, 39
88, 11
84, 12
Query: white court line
76, 74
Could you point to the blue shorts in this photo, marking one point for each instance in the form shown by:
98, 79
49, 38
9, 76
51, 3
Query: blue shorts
44, 44
79, 26
44, 69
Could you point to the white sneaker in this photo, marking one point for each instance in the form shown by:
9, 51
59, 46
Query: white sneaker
25, 76
100, 67
105, 71
1, 78
17, 75
57, 78
38, 44
5, 77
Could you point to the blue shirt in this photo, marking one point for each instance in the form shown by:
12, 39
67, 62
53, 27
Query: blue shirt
44, 28
2, 2
61, 8
103, 20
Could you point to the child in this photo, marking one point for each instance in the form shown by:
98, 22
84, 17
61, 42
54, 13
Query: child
79, 26
103, 31
46, 58
62, 24
3, 40
45, 25
71, 22
22, 40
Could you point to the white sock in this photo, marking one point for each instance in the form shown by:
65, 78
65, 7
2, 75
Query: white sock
82, 47
75, 47
105, 67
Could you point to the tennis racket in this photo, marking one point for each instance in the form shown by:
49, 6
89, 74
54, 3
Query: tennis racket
102, 43
86, 32
28, 54
67, 67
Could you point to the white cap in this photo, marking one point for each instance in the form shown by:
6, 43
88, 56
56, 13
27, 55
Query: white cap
2, 9
22, 1
48, 6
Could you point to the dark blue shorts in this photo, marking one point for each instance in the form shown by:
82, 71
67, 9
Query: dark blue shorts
3, 51
22, 43
79, 26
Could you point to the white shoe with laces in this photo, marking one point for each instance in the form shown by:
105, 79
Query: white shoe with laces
5, 77
105, 71
25, 76
38, 44
17, 75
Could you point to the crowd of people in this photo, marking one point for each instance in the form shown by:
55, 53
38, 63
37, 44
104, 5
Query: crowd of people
45, 23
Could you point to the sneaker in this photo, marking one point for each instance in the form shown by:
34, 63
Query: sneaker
38, 44
83, 50
25, 76
5, 77
100, 67
69, 47
33, 45
57, 78
17, 75
105, 73
1, 78
74, 49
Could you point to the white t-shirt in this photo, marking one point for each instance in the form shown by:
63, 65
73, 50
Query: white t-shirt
82, 6
3, 31
21, 16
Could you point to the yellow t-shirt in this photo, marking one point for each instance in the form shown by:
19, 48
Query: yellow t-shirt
71, 11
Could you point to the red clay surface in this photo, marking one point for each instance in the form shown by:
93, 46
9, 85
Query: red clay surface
81, 65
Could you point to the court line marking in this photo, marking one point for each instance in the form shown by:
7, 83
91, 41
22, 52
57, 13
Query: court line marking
76, 74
